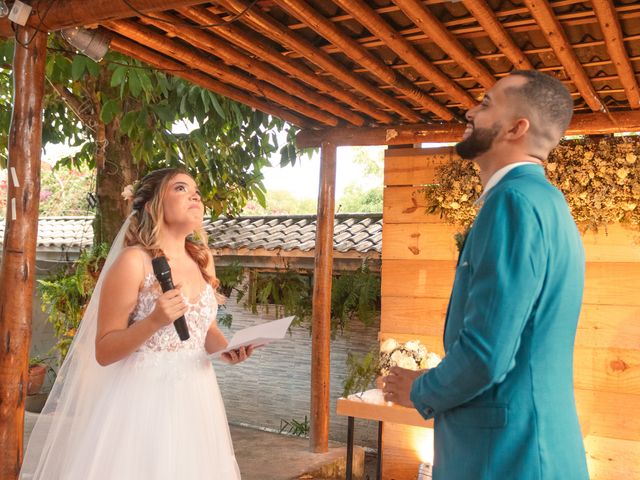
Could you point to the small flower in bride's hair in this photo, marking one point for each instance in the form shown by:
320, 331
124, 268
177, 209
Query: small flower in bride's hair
128, 193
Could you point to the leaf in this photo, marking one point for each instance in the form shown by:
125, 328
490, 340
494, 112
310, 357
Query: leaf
216, 105
109, 111
165, 113
78, 66
135, 86
118, 76
128, 121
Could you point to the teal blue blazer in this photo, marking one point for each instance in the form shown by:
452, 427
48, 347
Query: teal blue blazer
502, 398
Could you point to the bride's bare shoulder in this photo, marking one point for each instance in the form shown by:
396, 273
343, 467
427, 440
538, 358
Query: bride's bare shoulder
130, 265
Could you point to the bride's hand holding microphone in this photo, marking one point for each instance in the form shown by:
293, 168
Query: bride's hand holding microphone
169, 307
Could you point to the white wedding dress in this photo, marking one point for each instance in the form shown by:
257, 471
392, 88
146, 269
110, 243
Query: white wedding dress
158, 415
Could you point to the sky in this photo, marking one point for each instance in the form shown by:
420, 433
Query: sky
303, 179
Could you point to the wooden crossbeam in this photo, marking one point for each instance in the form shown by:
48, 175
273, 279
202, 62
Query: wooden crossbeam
430, 25
231, 56
613, 37
553, 32
498, 34
581, 124
54, 15
240, 38
189, 56
155, 59
273, 29
379, 27
317, 22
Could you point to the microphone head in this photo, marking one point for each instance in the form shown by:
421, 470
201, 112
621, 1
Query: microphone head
160, 266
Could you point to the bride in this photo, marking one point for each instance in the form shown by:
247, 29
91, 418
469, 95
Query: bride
132, 401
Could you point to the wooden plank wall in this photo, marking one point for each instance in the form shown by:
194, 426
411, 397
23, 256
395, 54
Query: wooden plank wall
419, 254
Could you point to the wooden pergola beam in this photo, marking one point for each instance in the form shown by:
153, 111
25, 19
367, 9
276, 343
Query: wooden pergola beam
271, 28
242, 39
430, 25
553, 32
321, 312
54, 15
155, 59
189, 56
606, 13
498, 34
17, 270
261, 70
329, 30
364, 14
581, 124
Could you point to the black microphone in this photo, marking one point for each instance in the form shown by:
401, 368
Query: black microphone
162, 272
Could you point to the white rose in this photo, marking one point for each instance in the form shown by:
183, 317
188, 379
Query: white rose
388, 345
433, 360
413, 345
408, 363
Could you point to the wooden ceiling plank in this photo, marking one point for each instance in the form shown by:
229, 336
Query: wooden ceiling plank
159, 61
405, 50
581, 124
557, 39
498, 34
271, 28
430, 25
606, 13
329, 30
239, 37
162, 44
230, 55
54, 15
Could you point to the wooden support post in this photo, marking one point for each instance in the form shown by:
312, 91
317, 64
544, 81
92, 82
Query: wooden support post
321, 328
17, 273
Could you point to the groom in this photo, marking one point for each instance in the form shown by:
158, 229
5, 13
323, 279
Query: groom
502, 398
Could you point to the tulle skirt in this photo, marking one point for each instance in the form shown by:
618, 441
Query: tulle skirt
159, 416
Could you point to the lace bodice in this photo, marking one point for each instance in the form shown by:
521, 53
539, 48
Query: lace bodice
199, 317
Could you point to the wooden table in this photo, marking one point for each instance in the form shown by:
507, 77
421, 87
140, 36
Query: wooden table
380, 413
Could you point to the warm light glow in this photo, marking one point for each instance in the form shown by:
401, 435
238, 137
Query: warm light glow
423, 443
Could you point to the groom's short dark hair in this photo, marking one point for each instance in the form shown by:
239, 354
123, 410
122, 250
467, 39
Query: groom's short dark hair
545, 101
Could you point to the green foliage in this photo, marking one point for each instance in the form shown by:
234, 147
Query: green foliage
361, 373
295, 427
225, 145
230, 277
65, 295
355, 294
289, 291
357, 200
281, 202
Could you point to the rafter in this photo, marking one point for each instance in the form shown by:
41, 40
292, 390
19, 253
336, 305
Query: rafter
487, 18
241, 39
271, 28
159, 61
54, 15
378, 26
231, 56
553, 32
581, 124
305, 13
217, 70
430, 25
606, 14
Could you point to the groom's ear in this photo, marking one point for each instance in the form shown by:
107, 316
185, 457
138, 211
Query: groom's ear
518, 129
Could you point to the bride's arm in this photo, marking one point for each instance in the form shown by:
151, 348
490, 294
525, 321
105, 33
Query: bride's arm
115, 339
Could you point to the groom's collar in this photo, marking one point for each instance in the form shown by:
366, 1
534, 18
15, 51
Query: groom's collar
499, 175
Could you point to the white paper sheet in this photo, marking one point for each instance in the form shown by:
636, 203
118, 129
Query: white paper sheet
258, 335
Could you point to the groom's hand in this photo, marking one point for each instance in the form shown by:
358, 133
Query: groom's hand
397, 385
236, 356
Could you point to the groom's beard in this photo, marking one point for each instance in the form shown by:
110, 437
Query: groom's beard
478, 142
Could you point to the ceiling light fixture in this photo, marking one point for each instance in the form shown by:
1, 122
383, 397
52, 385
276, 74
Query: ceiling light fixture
93, 43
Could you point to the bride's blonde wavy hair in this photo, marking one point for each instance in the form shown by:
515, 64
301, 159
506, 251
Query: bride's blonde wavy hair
147, 220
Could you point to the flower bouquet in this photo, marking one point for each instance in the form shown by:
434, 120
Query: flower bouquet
411, 355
